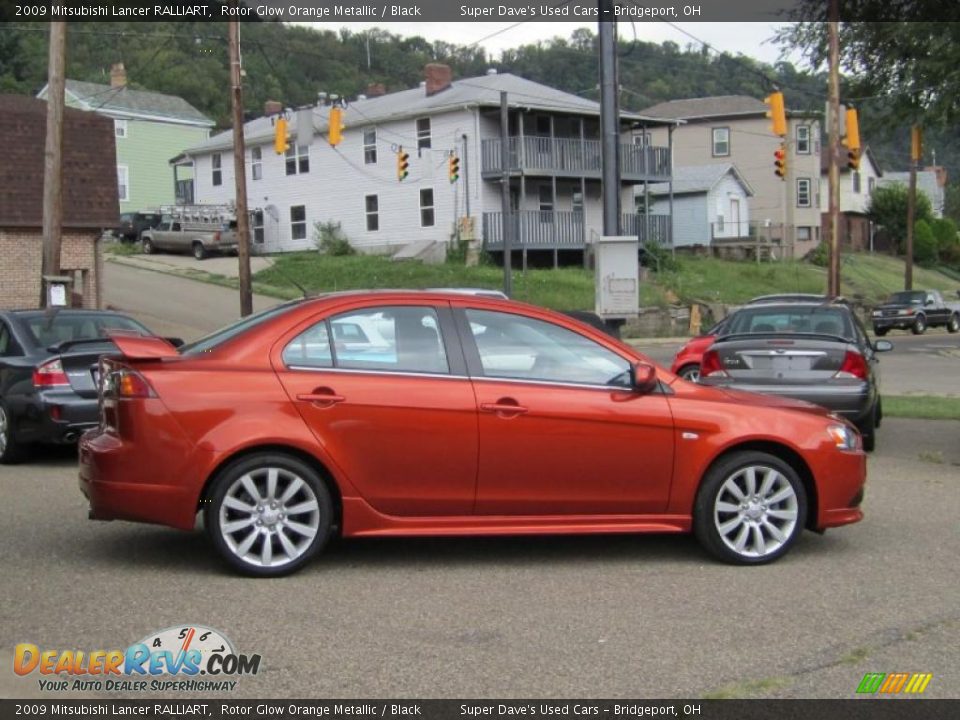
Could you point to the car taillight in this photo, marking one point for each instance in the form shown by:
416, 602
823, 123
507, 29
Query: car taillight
710, 365
853, 366
50, 374
127, 384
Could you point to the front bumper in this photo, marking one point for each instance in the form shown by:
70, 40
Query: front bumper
841, 485
903, 322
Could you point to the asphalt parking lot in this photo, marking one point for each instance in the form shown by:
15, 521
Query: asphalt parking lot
574, 617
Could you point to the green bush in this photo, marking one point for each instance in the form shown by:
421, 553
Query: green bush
924, 243
658, 258
820, 255
945, 231
331, 240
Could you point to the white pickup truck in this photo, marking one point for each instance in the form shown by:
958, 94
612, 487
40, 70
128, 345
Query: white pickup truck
201, 238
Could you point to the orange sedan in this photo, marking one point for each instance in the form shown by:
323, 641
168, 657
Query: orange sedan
431, 413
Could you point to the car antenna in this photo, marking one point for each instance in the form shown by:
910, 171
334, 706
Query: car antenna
290, 280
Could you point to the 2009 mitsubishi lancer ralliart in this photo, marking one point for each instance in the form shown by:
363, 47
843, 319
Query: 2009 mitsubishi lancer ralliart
439, 413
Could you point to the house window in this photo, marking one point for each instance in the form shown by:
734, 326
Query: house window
871, 185
803, 192
217, 174
372, 205
120, 128
546, 203
642, 139
856, 181
298, 222
803, 139
123, 182
258, 227
423, 133
803, 234
370, 146
721, 142
577, 201
298, 160
256, 163
426, 208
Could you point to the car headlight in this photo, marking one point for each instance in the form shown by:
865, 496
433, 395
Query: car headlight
877, 313
844, 437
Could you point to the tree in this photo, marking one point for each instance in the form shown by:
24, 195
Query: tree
888, 208
924, 243
909, 65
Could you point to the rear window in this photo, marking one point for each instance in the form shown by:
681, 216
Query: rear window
214, 340
809, 320
46, 331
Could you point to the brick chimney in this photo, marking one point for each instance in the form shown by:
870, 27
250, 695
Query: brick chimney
438, 77
118, 75
376, 90
272, 107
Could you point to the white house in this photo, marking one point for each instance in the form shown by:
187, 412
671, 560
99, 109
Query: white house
710, 202
553, 168
928, 183
856, 187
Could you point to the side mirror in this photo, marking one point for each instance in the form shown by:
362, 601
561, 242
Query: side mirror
929, 302
643, 377
882, 346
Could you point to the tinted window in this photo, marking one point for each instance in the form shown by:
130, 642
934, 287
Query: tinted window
513, 346
6, 342
311, 348
47, 331
819, 320
398, 339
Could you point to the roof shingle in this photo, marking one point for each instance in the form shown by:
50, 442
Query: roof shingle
139, 102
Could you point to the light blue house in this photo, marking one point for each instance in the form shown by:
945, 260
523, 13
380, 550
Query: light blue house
710, 202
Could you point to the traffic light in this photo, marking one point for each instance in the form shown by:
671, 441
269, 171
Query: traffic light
916, 143
852, 141
780, 161
335, 130
280, 144
403, 164
453, 168
777, 113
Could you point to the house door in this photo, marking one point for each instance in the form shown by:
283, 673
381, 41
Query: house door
735, 218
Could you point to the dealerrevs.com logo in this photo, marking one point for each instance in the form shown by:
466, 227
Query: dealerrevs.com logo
191, 658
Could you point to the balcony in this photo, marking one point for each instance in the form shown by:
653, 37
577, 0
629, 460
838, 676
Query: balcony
564, 230
567, 157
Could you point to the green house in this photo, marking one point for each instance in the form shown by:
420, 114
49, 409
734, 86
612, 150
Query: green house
151, 128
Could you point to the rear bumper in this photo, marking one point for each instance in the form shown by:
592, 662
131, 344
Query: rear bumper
853, 401
53, 416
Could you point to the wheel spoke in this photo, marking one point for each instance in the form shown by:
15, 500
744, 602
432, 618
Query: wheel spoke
244, 547
751, 477
251, 487
287, 544
774, 531
232, 527
292, 489
235, 504
788, 515
729, 525
272, 475
734, 489
741, 539
305, 530
266, 553
768, 481
782, 495
758, 543
304, 507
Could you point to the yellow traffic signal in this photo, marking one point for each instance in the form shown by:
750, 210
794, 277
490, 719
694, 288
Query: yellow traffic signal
780, 161
453, 168
853, 156
403, 164
777, 113
335, 131
853, 129
916, 143
280, 144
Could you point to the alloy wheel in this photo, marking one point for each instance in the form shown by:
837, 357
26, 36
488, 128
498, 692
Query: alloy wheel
756, 511
269, 517
691, 373
4, 431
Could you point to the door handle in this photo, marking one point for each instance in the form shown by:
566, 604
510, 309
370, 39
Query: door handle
504, 406
321, 397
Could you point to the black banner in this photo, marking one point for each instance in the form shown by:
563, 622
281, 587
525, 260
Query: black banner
347, 11
865, 709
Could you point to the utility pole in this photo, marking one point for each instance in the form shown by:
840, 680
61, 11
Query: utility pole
833, 130
609, 119
507, 225
240, 170
916, 152
53, 159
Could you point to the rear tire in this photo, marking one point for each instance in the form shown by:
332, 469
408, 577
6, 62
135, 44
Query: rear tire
690, 372
268, 514
919, 326
11, 452
868, 429
953, 325
147, 245
750, 509
199, 251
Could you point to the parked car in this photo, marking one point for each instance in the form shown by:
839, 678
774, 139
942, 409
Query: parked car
686, 363
916, 310
818, 352
484, 417
198, 238
131, 225
48, 374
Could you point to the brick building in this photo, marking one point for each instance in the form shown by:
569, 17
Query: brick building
89, 200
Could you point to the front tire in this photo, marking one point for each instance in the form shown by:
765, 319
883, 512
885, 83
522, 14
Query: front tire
954, 324
268, 514
919, 326
11, 452
750, 509
690, 372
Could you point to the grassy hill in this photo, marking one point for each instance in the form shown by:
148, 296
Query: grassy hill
867, 277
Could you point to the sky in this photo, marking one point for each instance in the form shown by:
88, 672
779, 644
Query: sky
751, 39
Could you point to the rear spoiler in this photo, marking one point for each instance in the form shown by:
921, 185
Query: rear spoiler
61, 347
787, 335
144, 347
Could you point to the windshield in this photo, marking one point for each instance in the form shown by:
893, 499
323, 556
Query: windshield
208, 343
908, 298
47, 330
795, 319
